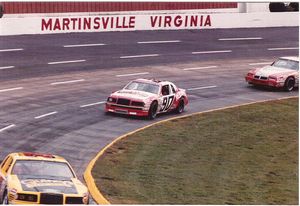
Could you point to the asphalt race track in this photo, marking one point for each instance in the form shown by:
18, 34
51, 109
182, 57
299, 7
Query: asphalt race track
53, 87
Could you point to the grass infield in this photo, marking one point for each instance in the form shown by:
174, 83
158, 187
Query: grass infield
242, 155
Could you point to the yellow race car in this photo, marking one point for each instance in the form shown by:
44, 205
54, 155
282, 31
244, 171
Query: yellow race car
32, 178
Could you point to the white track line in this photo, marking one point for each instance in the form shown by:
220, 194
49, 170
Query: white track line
133, 74
92, 104
66, 62
199, 68
45, 115
83, 45
8, 127
199, 88
278, 49
139, 56
8, 50
212, 52
158, 42
11, 89
260, 63
68, 82
7, 67
240, 38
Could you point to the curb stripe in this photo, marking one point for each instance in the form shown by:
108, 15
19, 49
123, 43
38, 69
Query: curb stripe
90, 182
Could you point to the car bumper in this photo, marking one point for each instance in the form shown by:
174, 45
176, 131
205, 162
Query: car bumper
125, 110
268, 82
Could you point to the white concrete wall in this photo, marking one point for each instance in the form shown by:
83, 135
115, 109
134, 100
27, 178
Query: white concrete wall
48, 25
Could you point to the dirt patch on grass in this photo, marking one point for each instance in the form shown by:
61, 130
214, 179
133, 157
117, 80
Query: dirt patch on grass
243, 155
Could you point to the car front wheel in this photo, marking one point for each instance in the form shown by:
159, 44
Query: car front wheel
289, 84
153, 110
5, 199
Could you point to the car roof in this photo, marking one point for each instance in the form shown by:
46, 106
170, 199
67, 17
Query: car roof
153, 81
294, 58
36, 156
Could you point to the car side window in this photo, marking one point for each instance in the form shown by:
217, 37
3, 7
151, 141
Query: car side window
6, 165
165, 90
173, 89
3, 162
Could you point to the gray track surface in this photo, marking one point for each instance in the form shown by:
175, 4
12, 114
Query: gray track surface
78, 133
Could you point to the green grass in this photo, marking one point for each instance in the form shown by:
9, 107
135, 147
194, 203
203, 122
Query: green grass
243, 155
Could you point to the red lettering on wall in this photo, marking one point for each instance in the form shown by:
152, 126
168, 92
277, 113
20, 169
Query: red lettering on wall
194, 20
177, 21
86, 23
153, 20
66, 23
117, 24
46, 25
168, 20
207, 21
56, 25
96, 23
132, 22
105, 22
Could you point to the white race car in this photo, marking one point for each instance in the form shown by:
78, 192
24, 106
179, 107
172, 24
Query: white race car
147, 97
283, 73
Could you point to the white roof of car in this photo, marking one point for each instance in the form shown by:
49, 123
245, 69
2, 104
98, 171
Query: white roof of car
294, 58
153, 81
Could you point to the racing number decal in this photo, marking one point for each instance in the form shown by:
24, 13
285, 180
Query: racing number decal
167, 102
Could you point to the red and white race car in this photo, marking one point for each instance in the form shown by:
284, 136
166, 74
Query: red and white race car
283, 73
147, 97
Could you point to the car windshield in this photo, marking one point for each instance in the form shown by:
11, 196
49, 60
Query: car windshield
141, 86
42, 169
287, 64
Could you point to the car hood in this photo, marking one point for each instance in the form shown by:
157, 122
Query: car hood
133, 94
271, 70
48, 185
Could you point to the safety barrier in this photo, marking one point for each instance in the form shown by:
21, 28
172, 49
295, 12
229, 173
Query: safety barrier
102, 23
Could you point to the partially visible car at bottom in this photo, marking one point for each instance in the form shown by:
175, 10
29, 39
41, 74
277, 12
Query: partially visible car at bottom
33, 178
147, 97
282, 73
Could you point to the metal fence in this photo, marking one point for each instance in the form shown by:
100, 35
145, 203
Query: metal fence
64, 7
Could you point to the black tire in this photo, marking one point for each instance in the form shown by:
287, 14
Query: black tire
5, 199
289, 84
180, 107
152, 110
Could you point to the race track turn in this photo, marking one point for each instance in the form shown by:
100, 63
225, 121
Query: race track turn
53, 87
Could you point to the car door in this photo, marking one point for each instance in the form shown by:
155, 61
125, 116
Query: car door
166, 98
4, 167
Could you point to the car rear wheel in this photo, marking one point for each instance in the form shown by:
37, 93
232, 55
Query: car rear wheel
153, 110
180, 107
289, 84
